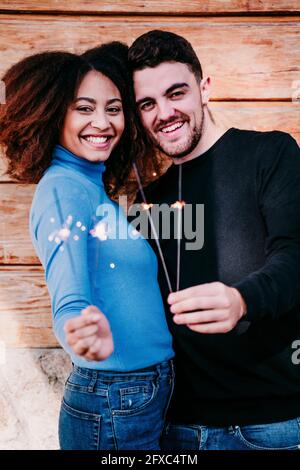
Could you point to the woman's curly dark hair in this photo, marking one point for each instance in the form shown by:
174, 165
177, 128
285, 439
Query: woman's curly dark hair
39, 90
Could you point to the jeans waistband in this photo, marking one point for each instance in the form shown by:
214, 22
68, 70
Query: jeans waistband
96, 373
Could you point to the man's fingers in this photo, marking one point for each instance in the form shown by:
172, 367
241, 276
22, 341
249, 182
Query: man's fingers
205, 316
198, 303
212, 288
211, 328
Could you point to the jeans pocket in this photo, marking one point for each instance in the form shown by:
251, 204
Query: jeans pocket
284, 435
78, 430
180, 437
134, 398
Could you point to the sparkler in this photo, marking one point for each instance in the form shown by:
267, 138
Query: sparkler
179, 205
147, 206
64, 232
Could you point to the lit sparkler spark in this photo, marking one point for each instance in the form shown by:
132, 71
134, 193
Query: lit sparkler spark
178, 205
64, 233
100, 231
146, 206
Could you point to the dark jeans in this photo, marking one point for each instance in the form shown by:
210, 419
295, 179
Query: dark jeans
284, 435
115, 411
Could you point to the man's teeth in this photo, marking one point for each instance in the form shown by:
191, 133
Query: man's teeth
97, 140
173, 127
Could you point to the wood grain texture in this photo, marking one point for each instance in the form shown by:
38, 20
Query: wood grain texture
154, 6
25, 314
248, 58
15, 243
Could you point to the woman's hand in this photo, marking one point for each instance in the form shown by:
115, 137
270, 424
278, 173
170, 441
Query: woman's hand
89, 335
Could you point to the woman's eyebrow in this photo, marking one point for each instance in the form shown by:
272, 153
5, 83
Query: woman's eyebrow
112, 100
85, 98
92, 101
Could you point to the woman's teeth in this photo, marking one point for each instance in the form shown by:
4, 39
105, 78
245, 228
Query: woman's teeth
172, 128
97, 140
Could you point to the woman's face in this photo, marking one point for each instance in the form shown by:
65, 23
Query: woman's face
94, 122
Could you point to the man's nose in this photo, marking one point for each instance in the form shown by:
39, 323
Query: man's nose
165, 111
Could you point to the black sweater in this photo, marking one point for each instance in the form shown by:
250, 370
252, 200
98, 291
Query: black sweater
249, 183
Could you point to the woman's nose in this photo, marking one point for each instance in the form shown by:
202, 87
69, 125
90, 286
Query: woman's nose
100, 121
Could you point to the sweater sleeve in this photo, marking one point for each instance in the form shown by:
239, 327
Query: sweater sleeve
63, 203
274, 289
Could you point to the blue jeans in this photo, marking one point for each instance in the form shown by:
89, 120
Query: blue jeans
284, 435
115, 411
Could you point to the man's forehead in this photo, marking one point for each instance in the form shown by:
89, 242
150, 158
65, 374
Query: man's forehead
154, 80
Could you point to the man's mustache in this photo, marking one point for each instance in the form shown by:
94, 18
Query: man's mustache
162, 124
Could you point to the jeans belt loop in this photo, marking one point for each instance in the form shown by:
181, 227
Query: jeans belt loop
93, 381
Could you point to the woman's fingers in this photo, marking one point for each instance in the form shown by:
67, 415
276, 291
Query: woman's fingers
82, 345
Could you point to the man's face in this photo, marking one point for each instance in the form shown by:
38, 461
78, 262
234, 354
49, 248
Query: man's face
170, 106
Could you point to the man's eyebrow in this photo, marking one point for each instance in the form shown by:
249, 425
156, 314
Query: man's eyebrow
175, 86
169, 90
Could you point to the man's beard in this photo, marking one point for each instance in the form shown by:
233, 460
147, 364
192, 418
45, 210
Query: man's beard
184, 149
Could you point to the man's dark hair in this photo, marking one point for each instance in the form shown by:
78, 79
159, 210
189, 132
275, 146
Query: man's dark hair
156, 46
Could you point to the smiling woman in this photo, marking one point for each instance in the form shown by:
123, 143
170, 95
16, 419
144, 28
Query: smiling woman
94, 122
69, 124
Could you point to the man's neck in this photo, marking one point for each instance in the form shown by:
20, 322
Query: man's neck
211, 132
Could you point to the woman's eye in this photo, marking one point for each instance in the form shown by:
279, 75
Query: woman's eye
114, 110
85, 109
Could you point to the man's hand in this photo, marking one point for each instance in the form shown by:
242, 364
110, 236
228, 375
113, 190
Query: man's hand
89, 335
208, 308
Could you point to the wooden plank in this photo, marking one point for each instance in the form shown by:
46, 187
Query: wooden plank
249, 58
260, 116
25, 313
154, 6
15, 243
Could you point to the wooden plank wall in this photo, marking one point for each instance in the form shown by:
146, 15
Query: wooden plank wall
251, 49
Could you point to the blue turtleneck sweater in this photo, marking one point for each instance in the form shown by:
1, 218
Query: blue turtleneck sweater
115, 272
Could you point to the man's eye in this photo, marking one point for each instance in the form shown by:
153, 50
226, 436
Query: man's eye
147, 106
176, 94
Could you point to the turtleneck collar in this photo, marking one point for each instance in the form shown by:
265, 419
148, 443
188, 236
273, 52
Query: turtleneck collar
92, 170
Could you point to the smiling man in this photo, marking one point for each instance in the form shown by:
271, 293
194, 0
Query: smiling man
237, 313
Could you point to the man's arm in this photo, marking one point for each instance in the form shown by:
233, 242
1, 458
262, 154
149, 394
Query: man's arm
274, 289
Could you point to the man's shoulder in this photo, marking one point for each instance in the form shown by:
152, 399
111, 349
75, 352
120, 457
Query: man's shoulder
255, 136
264, 145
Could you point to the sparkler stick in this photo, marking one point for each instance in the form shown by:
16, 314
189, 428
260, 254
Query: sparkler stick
61, 219
179, 205
147, 206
